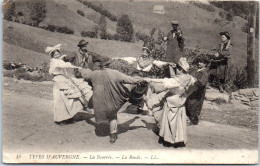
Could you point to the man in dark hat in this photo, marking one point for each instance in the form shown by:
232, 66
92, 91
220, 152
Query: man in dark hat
175, 45
84, 58
109, 94
219, 65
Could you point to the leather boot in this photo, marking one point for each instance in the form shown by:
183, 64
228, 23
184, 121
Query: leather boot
113, 138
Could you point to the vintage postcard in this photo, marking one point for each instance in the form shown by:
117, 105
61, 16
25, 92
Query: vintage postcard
130, 81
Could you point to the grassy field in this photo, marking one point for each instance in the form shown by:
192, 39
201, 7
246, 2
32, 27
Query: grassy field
30, 39
90, 14
199, 26
26, 56
60, 15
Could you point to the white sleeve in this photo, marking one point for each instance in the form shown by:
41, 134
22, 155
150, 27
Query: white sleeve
62, 64
169, 83
193, 80
52, 67
160, 63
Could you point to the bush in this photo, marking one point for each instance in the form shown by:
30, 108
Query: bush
109, 36
240, 80
122, 66
59, 29
230, 16
124, 29
220, 21
222, 14
116, 37
20, 14
65, 30
95, 29
38, 11
51, 28
22, 73
152, 31
141, 36
240, 8
102, 27
9, 12
81, 13
219, 101
90, 34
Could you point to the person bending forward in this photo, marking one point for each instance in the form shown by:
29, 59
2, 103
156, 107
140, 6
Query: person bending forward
109, 94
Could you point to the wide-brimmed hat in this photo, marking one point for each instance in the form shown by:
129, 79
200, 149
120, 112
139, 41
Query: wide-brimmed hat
226, 34
82, 43
106, 62
146, 48
175, 23
184, 64
51, 49
202, 58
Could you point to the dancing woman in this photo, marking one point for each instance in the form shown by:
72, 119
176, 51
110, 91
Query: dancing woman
172, 120
70, 95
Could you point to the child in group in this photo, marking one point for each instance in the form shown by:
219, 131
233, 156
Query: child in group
195, 101
68, 91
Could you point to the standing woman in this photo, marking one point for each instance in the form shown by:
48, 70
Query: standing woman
70, 95
219, 66
172, 121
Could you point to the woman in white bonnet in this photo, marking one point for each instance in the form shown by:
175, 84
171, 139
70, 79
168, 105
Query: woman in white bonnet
172, 119
70, 94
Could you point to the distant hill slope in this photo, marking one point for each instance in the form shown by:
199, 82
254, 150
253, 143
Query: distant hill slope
201, 28
26, 56
59, 14
90, 14
26, 38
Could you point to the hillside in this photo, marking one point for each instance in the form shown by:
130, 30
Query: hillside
60, 15
30, 39
90, 14
201, 28
26, 56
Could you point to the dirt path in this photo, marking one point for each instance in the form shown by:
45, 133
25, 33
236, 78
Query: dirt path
28, 127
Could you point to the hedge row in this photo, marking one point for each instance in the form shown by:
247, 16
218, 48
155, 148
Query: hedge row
81, 13
106, 36
59, 29
100, 10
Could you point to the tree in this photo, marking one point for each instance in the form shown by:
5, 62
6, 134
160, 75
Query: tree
160, 36
102, 26
37, 11
251, 48
230, 16
9, 10
152, 32
124, 29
